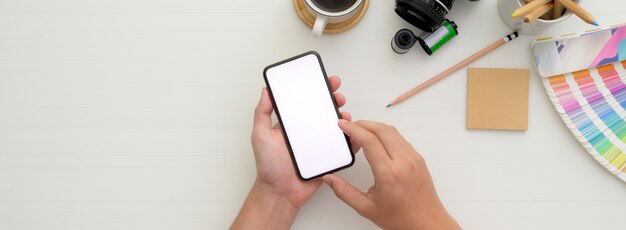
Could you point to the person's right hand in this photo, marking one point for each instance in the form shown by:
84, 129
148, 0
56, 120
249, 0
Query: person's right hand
403, 195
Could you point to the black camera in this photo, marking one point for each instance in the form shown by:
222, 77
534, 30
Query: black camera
427, 15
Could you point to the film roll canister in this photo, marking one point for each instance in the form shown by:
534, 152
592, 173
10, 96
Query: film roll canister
403, 41
430, 42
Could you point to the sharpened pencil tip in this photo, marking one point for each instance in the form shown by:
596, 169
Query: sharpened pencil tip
388, 105
595, 23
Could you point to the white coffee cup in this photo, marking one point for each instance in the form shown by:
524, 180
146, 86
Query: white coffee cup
322, 17
506, 8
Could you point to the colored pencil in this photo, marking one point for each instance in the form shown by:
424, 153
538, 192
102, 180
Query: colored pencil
533, 15
454, 68
529, 7
579, 11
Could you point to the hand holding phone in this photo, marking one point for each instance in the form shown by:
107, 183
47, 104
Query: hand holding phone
277, 190
307, 111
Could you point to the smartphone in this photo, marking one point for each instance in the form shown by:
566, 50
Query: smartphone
308, 114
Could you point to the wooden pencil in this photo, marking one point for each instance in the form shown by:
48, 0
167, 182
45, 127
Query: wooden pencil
546, 16
533, 15
522, 11
579, 11
557, 10
454, 68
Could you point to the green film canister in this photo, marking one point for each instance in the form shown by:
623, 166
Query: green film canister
430, 42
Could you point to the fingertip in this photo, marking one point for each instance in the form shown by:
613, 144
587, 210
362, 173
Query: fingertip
347, 192
327, 180
344, 125
332, 180
340, 99
264, 102
342, 122
317, 183
335, 82
346, 116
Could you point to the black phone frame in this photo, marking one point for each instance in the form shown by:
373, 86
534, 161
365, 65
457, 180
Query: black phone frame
293, 159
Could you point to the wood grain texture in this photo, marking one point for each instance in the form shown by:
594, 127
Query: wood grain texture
308, 19
136, 114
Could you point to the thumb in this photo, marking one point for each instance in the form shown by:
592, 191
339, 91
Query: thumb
348, 193
263, 112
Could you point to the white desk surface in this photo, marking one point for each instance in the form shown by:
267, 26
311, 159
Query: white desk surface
136, 114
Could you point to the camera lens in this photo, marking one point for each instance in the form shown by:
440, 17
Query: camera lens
424, 14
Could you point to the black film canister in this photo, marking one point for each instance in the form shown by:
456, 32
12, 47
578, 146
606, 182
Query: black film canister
403, 41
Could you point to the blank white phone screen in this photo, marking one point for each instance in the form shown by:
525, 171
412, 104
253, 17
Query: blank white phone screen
308, 116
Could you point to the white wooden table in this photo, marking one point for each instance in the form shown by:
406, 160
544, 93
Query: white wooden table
136, 114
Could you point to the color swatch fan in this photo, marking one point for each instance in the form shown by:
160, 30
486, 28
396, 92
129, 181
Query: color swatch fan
584, 76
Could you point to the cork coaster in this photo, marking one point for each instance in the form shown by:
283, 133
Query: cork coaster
331, 28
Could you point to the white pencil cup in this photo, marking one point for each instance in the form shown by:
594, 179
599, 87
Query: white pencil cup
506, 8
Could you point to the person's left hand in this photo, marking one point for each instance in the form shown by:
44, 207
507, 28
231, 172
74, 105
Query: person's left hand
277, 193
276, 175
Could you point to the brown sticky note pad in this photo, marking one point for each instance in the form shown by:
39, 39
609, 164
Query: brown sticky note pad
497, 99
